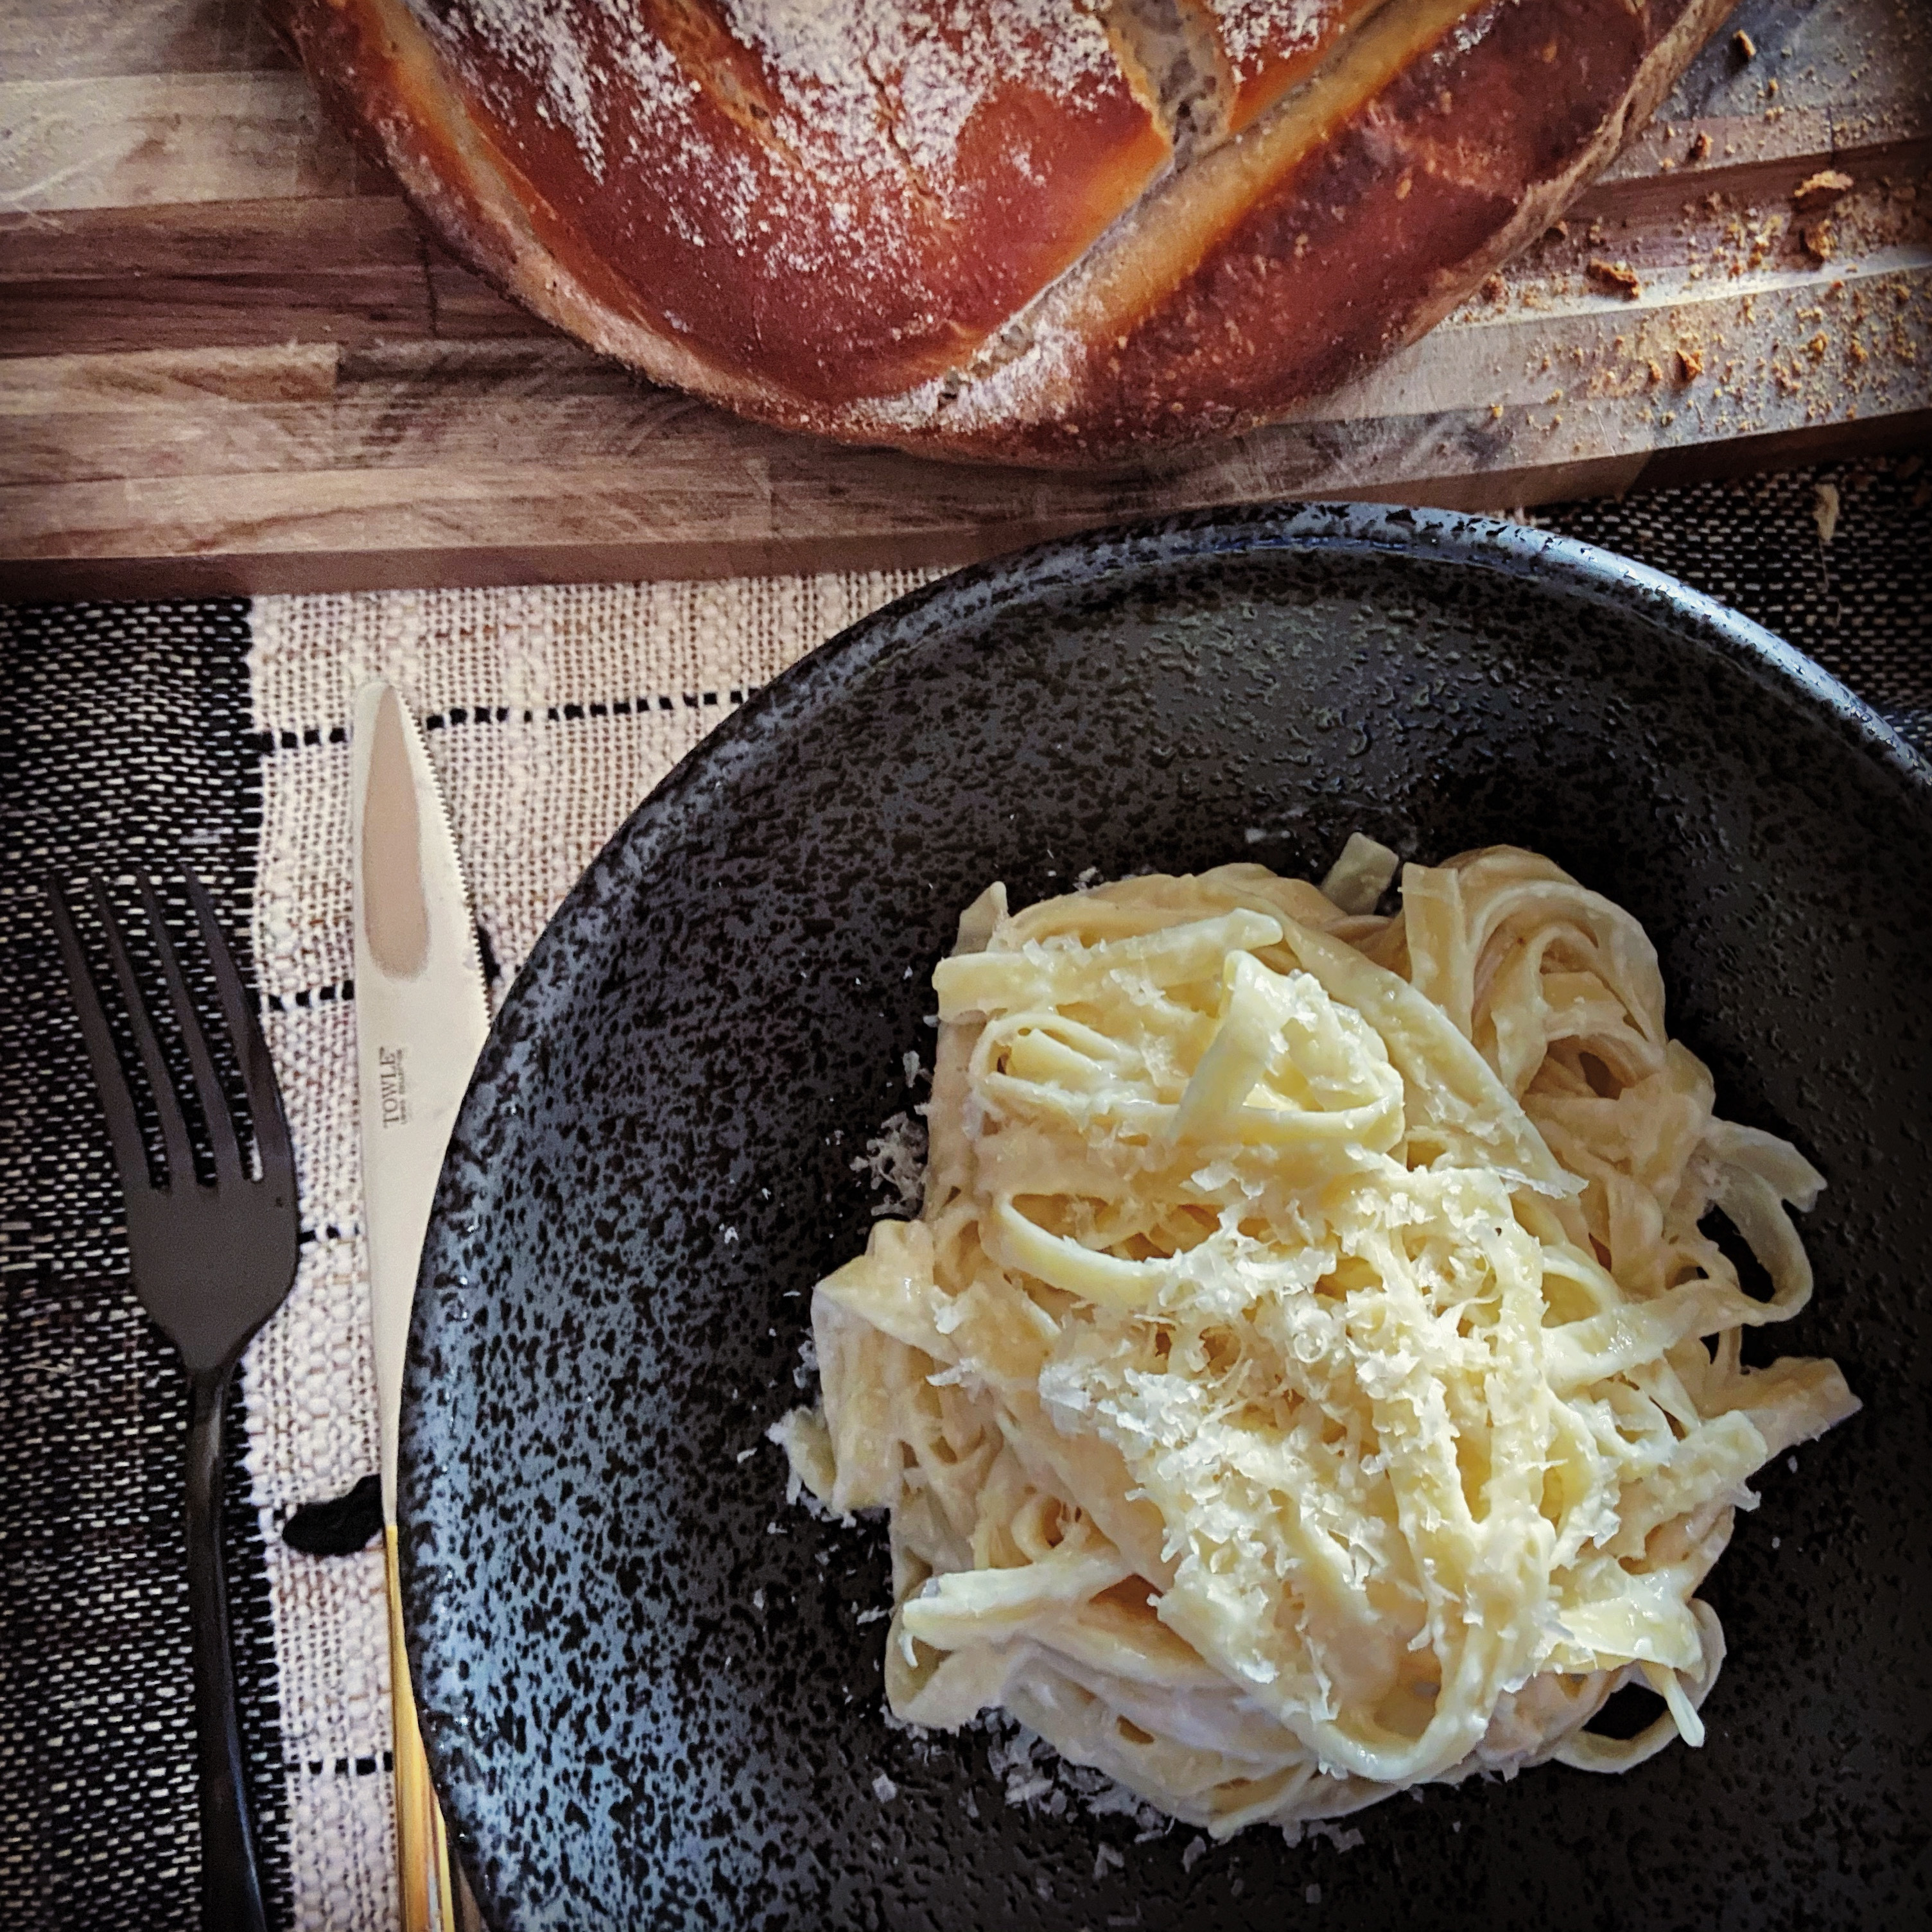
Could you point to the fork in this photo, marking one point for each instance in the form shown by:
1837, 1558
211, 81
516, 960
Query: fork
210, 1264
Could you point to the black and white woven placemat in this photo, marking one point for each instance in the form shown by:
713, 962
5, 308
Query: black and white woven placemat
149, 735
128, 744
1861, 604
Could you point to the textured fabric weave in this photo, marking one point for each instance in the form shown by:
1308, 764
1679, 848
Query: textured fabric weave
127, 743
222, 733
549, 714
1861, 604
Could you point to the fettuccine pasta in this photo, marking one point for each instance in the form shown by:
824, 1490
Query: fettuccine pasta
1307, 1377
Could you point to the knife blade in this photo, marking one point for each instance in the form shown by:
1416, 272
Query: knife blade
421, 1019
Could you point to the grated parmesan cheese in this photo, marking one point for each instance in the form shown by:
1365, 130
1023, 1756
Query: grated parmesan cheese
895, 1160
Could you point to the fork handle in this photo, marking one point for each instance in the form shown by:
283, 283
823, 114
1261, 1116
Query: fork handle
231, 1889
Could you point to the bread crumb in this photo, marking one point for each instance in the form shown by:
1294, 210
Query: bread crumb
1617, 277
1560, 228
1495, 411
1690, 365
1825, 510
1821, 190
884, 1790
1821, 242
1700, 146
1746, 47
1495, 289
1818, 345
1656, 373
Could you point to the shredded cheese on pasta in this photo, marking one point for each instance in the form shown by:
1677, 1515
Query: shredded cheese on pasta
1307, 1377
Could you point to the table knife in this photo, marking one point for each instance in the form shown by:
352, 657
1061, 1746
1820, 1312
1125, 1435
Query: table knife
421, 1017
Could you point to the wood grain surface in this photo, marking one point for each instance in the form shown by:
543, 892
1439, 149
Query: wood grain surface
230, 359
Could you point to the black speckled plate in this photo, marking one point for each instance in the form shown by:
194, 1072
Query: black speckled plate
648, 1697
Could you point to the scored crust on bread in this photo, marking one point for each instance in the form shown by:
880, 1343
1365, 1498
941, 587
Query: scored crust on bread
1056, 232
793, 198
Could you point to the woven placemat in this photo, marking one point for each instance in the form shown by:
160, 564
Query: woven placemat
128, 743
1860, 602
217, 733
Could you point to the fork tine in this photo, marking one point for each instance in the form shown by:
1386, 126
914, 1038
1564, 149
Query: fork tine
175, 1143
207, 1081
245, 1035
131, 1157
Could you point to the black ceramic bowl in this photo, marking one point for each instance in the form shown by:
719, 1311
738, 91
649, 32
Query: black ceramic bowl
647, 1698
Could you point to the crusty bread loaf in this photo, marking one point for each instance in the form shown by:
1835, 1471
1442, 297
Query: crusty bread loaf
1034, 231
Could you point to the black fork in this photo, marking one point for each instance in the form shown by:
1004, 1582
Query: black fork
211, 1263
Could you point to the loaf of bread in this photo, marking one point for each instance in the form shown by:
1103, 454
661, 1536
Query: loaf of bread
1059, 231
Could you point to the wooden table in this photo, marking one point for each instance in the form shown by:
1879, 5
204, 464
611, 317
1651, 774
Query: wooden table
229, 360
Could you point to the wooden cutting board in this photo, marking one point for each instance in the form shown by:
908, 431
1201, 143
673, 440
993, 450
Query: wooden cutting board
229, 360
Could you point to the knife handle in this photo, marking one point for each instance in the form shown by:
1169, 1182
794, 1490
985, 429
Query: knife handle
422, 1847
